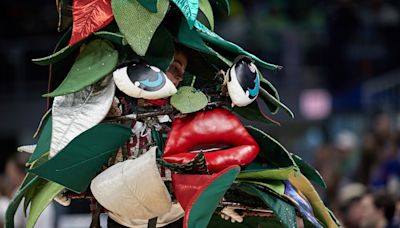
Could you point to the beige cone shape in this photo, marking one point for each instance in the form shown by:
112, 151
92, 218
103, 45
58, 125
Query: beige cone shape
133, 189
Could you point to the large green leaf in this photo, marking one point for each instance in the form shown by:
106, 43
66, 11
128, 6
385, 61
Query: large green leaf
161, 49
41, 200
205, 7
189, 8
138, 24
188, 100
283, 210
308, 171
116, 38
76, 165
150, 5
43, 144
191, 38
218, 41
97, 60
271, 150
16, 200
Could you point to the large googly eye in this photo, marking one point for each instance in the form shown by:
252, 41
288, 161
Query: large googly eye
140, 80
243, 82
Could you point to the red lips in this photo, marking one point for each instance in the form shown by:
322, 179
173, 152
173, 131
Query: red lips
202, 130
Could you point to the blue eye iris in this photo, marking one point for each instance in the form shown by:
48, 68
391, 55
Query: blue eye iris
153, 84
253, 92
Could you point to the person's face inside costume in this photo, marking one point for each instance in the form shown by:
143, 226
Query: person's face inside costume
177, 68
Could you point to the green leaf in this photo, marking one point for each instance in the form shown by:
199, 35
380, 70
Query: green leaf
97, 60
271, 150
213, 38
192, 39
273, 185
251, 112
267, 97
189, 8
16, 200
308, 171
150, 5
267, 86
188, 100
161, 49
43, 144
41, 200
116, 38
206, 8
76, 165
34, 188
283, 210
267, 174
60, 54
136, 23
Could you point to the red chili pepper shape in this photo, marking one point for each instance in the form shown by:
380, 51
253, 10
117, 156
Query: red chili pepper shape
207, 129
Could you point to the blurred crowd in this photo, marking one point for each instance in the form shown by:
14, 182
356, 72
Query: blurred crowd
362, 173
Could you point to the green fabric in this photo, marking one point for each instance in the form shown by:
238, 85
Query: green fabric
77, 164
150, 5
205, 7
116, 38
41, 200
97, 60
43, 144
188, 100
272, 101
267, 174
308, 171
248, 222
191, 38
271, 150
16, 200
161, 49
274, 185
205, 205
218, 41
136, 23
60, 54
285, 212
189, 9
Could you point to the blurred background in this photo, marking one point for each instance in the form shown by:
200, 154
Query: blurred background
341, 78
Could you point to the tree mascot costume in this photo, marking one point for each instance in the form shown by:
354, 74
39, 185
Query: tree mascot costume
146, 105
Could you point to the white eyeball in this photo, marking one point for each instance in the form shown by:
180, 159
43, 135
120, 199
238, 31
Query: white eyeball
243, 82
140, 80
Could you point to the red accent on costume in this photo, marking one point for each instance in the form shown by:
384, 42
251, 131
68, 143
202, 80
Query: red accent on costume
217, 126
89, 16
189, 187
